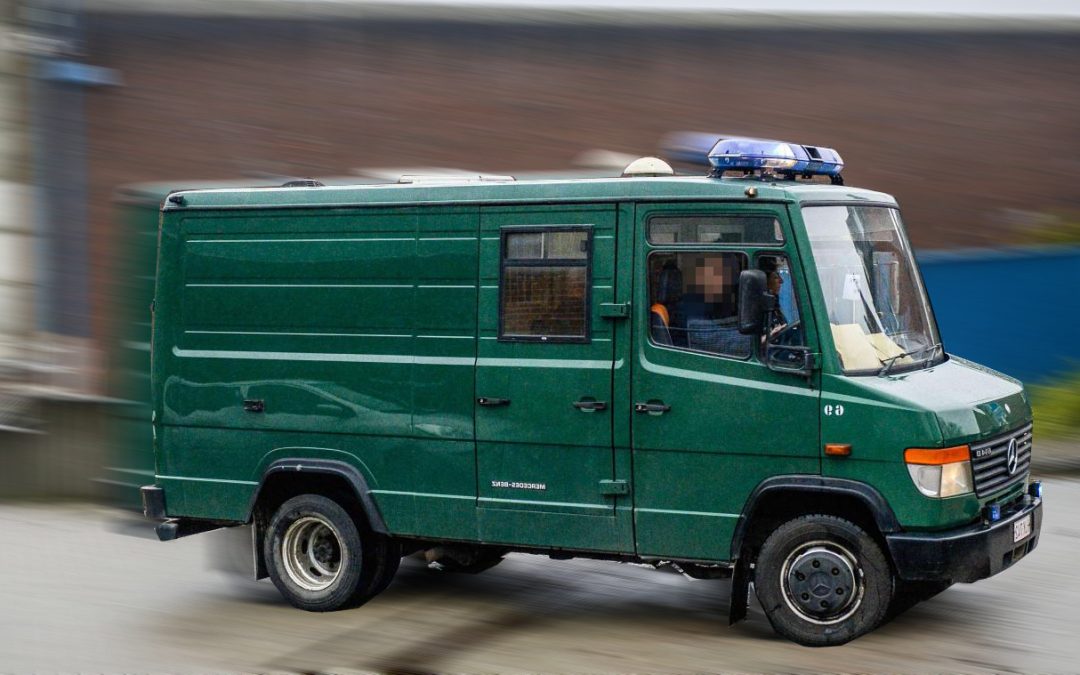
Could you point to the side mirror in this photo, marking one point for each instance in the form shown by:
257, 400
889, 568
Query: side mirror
754, 302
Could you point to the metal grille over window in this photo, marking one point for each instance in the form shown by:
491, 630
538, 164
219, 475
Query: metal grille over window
1001, 461
544, 288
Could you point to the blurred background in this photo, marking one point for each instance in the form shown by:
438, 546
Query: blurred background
965, 111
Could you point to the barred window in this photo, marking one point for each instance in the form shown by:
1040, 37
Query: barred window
544, 289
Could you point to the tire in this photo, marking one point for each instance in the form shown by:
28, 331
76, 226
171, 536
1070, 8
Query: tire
822, 581
317, 556
391, 561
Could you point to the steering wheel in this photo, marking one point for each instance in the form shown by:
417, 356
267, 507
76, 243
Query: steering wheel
789, 335
786, 334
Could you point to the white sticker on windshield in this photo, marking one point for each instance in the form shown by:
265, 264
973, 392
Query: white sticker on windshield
851, 287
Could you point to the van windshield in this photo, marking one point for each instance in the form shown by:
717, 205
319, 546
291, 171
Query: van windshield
878, 312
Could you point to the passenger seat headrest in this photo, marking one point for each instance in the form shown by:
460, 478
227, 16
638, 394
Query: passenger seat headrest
670, 285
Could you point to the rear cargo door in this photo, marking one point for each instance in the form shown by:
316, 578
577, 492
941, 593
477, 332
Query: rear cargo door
544, 379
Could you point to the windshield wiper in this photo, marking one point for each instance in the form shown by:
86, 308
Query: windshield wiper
889, 362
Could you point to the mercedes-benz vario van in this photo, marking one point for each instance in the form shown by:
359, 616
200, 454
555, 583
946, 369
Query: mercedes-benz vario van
739, 375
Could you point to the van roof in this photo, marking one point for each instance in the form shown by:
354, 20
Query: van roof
548, 191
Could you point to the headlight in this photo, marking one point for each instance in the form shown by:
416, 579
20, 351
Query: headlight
941, 472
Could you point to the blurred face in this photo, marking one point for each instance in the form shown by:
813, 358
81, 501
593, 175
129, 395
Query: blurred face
775, 283
709, 278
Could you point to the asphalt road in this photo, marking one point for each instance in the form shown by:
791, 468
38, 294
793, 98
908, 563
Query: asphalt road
84, 590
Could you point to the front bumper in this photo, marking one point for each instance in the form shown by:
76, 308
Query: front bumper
965, 554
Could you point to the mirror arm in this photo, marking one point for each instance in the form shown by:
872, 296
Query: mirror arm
811, 361
811, 365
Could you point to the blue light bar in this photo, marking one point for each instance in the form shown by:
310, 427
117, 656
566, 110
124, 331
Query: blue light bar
791, 159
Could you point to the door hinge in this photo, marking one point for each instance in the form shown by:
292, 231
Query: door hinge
615, 310
614, 487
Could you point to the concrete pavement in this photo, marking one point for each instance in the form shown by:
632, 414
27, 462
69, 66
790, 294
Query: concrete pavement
82, 590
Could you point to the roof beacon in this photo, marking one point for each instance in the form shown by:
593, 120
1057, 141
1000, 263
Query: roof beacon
647, 166
775, 157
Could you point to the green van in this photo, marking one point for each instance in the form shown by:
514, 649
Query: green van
738, 375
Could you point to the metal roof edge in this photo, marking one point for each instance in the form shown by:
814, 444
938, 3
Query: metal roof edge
595, 190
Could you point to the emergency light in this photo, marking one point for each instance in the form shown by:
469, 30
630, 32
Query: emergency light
1035, 489
790, 159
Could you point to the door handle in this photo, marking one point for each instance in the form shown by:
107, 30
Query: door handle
254, 405
590, 406
492, 402
652, 407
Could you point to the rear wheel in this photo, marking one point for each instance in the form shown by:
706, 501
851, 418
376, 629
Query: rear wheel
822, 580
391, 561
320, 559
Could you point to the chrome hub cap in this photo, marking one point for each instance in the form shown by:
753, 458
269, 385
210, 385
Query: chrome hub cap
312, 552
822, 582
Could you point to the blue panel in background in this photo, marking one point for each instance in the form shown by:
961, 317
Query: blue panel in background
1015, 310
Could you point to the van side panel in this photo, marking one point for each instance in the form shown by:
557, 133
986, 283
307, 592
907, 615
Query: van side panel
355, 332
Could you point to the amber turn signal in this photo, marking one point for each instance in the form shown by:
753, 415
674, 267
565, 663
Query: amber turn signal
838, 449
936, 456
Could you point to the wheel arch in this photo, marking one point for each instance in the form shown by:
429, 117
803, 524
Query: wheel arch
286, 477
795, 494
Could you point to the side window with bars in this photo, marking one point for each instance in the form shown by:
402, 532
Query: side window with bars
544, 283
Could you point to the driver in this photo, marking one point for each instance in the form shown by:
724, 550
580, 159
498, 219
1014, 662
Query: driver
777, 320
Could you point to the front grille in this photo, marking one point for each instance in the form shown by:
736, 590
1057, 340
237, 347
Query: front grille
990, 461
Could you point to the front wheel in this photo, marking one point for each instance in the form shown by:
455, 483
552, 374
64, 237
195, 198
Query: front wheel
822, 581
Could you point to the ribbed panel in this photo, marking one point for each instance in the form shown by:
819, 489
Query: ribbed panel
990, 461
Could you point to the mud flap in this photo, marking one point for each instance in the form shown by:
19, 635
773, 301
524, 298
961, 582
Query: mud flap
258, 531
740, 591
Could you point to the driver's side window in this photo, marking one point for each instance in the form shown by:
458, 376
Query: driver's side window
693, 302
783, 328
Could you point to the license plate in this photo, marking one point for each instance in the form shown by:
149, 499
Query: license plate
1022, 529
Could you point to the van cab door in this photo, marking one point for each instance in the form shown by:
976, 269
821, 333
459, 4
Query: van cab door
544, 379
710, 420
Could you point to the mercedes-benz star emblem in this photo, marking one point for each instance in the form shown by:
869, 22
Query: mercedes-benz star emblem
1010, 456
